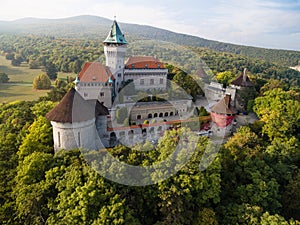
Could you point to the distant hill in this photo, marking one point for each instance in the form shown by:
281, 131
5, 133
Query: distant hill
97, 27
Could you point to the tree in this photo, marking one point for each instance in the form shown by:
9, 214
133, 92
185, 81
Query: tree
30, 191
59, 83
291, 198
42, 108
225, 77
121, 114
203, 112
39, 138
279, 110
51, 71
41, 81
34, 64
3, 78
272, 84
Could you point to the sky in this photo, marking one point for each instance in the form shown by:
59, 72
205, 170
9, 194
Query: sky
262, 23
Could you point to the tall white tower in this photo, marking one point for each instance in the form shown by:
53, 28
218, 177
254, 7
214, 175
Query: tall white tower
115, 50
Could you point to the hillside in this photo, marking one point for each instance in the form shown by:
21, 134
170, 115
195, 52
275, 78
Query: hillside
96, 27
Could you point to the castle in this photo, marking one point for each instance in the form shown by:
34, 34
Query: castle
86, 116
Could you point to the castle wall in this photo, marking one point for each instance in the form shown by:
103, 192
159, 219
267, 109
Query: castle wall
222, 124
74, 135
100, 91
135, 134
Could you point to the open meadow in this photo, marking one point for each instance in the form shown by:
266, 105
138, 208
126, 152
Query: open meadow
20, 82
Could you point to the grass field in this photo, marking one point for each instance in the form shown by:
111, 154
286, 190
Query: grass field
20, 82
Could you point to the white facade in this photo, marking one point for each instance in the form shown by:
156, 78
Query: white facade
74, 135
96, 90
115, 55
145, 79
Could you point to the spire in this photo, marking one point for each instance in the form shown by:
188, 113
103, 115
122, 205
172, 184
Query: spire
245, 75
115, 35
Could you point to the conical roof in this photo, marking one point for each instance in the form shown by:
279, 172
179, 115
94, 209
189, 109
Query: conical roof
115, 35
224, 106
243, 80
73, 108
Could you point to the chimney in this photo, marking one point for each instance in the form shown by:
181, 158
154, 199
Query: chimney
227, 99
245, 75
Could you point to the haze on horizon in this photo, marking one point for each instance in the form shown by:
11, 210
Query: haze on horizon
261, 23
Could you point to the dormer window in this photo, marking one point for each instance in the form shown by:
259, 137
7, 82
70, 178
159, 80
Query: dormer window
94, 78
132, 65
146, 66
158, 66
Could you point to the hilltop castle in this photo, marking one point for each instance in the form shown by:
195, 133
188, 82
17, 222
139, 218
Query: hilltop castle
86, 115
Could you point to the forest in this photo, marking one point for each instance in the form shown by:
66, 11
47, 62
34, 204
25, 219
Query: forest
68, 55
94, 27
254, 178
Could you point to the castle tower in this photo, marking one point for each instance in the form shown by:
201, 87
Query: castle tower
73, 121
115, 50
245, 91
222, 115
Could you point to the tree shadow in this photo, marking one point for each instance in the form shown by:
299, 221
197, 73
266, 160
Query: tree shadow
9, 70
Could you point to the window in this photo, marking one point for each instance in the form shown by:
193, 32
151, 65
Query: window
59, 141
146, 66
161, 81
119, 74
142, 81
85, 94
139, 117
101, 94
132, 65
158, 66
79, 144
151, 81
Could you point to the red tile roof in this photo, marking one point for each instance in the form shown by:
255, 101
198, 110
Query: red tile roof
95, 72
142, 62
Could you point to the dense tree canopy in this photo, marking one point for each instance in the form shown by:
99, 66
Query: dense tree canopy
253, 179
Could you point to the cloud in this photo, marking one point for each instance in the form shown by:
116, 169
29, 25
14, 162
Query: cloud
270, 23
253, 22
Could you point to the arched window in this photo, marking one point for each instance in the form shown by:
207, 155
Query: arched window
166, 114
149, 116
161, 115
